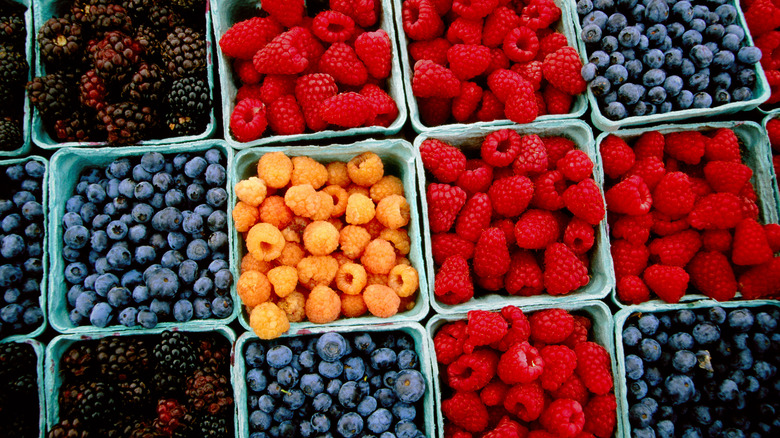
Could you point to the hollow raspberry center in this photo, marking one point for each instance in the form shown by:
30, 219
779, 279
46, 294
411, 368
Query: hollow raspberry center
335, 27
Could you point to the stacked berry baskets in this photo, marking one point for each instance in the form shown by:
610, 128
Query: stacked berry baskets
16, 45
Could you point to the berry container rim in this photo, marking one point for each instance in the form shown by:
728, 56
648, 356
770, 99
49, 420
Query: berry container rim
43, 10
29, 42
601, 271
422, 347
222, 19
400, 154
772, 115
69, 163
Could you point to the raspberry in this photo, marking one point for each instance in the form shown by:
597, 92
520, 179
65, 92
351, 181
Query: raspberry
351, 278
573, 389
584, 201
360, 209
248, 120
474, 217
445, 162
564, 418
285, 116
494, 393
453, 283
530, 71
245, 38
404, 280
442, 6
465, 105
288, 53
524, 277
616, 156
503, 83
536, 229
471, 372
668, 282
340, 196
772, 236
476, 177
712, 275
244, 216
550, 44
559, 364
484, 328
726, 176
551, 326
448, 342
519, 328
540, 14
491, 108
310, 91
532, 156
510, 196
320, 238
268, 321
264, 242
294, 306
630, 196
723, 146
676, 249
562, 70
420, 20
322, 305
362, 11
500, 148
432, 80
274, 211
687, 146
378, 257
556, 101
575, 165
381, 300
490, 283
317, 270
283, 279
521, 105
308, 171
651, 170
466, 411
635, 229
365, 169
288, 12
497, 25
444, 245
673, 195
750, 245
342, 63
593, 367
333, 26
548, 191
521, 44
249, 263
353, 306
773, 130
399, 238
525, 401
632, 290
253, 288
375, 50
521, 363
507, 428
716, 210
347, 110
717, 240
579, 236
468, 60
628, 258
337, 174
491, 255
649, 144
302, 200
762, 16
432, 50
275, 87
600, 415
444, 203
474, 10
393, 212
246, 74
291, 255
762, 281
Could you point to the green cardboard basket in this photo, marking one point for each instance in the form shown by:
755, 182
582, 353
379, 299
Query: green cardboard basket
28, 49
579, 104
755, 155
621, 387
761, 91
601, 330
60, 344
45, 256
38, 348
770, 116
45, 9
399, 160
469, 139
422, 348
68, 165
225, 13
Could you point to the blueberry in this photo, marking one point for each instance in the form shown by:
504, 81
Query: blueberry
183, 310
727, 14
203, 286
383, 359
76, 237
638, 389
192, 224
162, 282
596, 17
195, 167
638, 13
749, 55
657, 96
591, 34
223, 279
684, 361
629, 36
405, 429
198, 250
679, 388
650, 349
634, 68
367, 406
168, 219
320, 422
600, 58
683, 10
321, 402
742, 94
409, 386
615, 111
101, 315
147, 318
350, 425
634, 367
731, 41
654, 78
153, 162
705, 333
741, 320
76, 272
684, 99
407, 359
174, 198
312, 384
584, 7
698, 24
331, 346
640, 416
379, 421
217, 220
259, 420
143, 191
195, 192
653, 58
657, 11
118, 297
631, 336
330, 370
600, 86
630, 93
701, 56
699, 81
743, 360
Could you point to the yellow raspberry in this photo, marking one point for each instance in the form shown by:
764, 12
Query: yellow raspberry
307, 171
284, 279
294, 305
336, 222
353, 306
275, 168
381, 301
337, 174
376, 279
323, 305
250, 263
317, 270
354, 188
340, 197
407, 303
253, 288
244, 216
388, 185
252, 191
374, 228
320, 238
265, 242
360, 209
268, 321
393, 212
399, 238
366, 169
274, 211
340, 257
353, 240
403, 279
326, 207
351, 278
402, 261
292, 253
378, 257
303, 200
294, 231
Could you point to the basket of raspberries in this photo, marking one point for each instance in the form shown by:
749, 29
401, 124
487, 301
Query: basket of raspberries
15, 54
539, 373
692, 213
121, 72
514, 216
490, 61
22, 411
291, 71
318, 237
154, 384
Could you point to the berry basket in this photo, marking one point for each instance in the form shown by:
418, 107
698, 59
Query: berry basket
579, 104
469, 139
621, 318
28, 48
40, 136
421, 348
399, 160
38, 347
227, 13
69, 163
602, 327
772, 115
756, 155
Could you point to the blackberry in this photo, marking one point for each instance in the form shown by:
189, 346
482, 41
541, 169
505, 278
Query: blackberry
127, 122
12, 30
138, 9
92, 90
90, 402
180, 125
121, 428
15, 358
53, 95
209, 393
184, 53
79, 360
68, 429
147, 84
123, 358
19, 398
135, 396
78, 127
13, 66
176, 352
144, 430
163, 18
210, 426
148, 39
104, 18
214, 355
115, 55
190, 97
167, 383
61, 43
10, 134
172, 418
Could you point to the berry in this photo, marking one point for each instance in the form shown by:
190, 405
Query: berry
575, 166
630, 196
559, 365
727, 177
536, 229
285, 116
600, 415
445, 245
471, 372
632, 290
289, 13
498, 24
521, 106
474, 217
716, 211
750, 245
562, 70
616, 155
453, 284
668, 282
524, 277
500, 148
563, 417
448, 342
245, 38
676, 249
722, 146
673, 195
248, 120
491, 254
525, 401
686, 146
342, 63
420, 20
446, 162
468, 60
434, 50
584, 201
374, 49
466, 410
593, 367
510, 196
432, 80
348, 110
445, 202
532, 158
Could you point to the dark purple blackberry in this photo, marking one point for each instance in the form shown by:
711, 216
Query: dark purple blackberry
176, 352
127, 122
211, 426
68, 429
91, 402
189, 103
148, 38
138, 9
104, 18
114, 56
147, 84
19, 398
78, 361
163, 18
135, 396
12, 30
166, 383
184, 53
80, 126
123, 358
15, 358
13, 66
61, 43
10, 134
179, 125
92, 90
53, 95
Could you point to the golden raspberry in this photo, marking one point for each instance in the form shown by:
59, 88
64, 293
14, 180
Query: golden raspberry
294, 305
291, 254
336, 222
253, 288
337, 174
339, 196
376, 279
378, 257
374, 228
407, 304
381, 301
326, 207
274, 211
388, 185
340, 257
403, 279
353, 306
360, 209
317, 270
265, 242
244, 216
284, 279
308, 171
323, 305
393, 212
249, 263
366, 169
275, 168
399, 239
294, 231
353, 240
354, 188
320, 238
351, 278
303, 200
402, 261
252, 191
268, 321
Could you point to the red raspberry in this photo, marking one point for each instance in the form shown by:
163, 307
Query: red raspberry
525, 277
476, 178
497, 26
484, 328
712, 275
444, 161
244, 69
579, 236
448, 342
494, 393
420, 20
635, 229
364, 12
550, 43
510, 196
491, 255
276, 86
540, 14
491, 283
628, 258
572, 389
473, 9
686, 146
593, 367
727, 176
311, 90
285, 116
500, 148
650, 169
673, 194
600, 415
452, 431
503, 83
348, 110
444, 203
453, 283
773, 77
432, 80
676, 249
472, 371
521, 105
525, 401
474, 217
630, 196
557, 101
716, 210
749, 207
507, 428
718, 240
762, 281
559, 364
445, 244
773, 130
333, 27
498, 60
466, 411
442, 6
521, 45
649, 144
668, 282
253, 91
768, 43
341, 62
551, 326
491, 108
762, 16
773, 236
248, 120
468, 60
519, 328
616, 156
384, 107
532, 156
465, 106
750, 245
507, 227
531, 72
549, 189
575, 165
376, 52
584, 201
632, 290
664, 225
288, 12
562, 70
564, 418
521, 363
465, 31
291, 52
536, 229
245, 38
723, 146
433, 50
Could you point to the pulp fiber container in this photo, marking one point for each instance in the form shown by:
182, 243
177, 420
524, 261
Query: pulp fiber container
469, 139
399, 160
38, 348
68, 165
60, 344
621, 386
422, 347
48, 9
770, 154
225, 13
755, 154
601, 333
29, 41
761, 89
579, 103
45, 256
